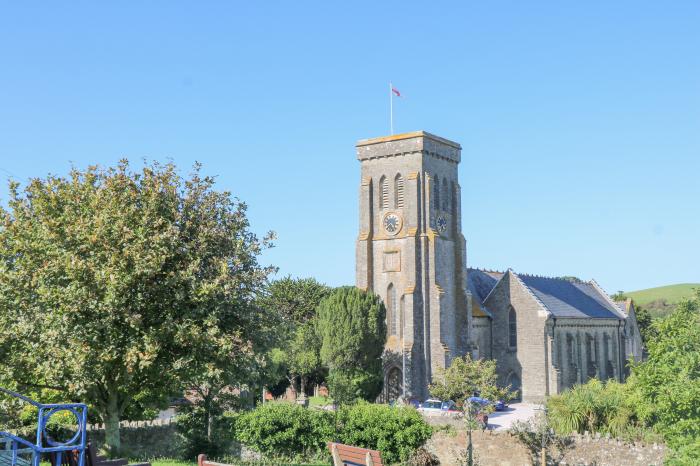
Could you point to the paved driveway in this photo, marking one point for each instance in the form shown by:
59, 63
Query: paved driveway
502, 420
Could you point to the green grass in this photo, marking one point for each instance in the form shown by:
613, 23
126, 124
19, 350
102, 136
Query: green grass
671, 293
661, 300
171, 462
319, 401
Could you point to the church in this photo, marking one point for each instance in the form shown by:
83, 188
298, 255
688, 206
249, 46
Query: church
546, 334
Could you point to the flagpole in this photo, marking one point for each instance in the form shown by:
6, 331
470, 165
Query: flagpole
391, 108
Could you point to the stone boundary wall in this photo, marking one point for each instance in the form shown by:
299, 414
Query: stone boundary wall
143, 439
602, 451
123, 424
493, 448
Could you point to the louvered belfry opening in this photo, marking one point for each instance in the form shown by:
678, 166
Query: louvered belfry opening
384, 193
398, 191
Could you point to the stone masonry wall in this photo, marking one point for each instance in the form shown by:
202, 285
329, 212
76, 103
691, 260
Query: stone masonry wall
146, 440
527, 361
143, 440
503, 449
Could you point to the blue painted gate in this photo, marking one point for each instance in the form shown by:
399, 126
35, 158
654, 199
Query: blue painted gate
16, 451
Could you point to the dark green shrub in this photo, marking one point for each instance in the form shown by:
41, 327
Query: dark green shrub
284, 430
287, 431
396, 432
351, 327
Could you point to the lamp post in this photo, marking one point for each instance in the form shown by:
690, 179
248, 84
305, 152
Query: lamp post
544, 433
403, 368
470, 422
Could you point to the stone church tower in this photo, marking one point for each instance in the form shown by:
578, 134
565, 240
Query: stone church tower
411, 252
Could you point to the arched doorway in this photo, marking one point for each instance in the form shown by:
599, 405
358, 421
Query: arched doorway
394, 384
514, 381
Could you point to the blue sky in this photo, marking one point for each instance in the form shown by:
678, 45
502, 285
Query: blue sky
579, 121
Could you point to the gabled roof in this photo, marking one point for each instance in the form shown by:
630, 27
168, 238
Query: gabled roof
562, 297
572, 298
480, 284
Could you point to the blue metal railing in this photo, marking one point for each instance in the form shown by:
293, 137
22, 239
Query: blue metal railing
14, 449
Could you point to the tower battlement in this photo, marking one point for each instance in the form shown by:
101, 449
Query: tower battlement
408, 143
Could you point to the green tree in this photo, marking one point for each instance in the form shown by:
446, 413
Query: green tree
297, 351
619, 296
668, 382
295, 299
464, 377
352, 330
120, 287
644, 322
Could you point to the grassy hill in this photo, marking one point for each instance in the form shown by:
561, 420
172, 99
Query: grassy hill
662, 299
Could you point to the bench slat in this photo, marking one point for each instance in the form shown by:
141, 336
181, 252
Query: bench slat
352, 455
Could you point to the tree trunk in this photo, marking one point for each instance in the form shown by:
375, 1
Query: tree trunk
209, 418
112, 438
303, 386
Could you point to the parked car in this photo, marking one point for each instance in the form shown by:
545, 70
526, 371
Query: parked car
500, 405
434, 407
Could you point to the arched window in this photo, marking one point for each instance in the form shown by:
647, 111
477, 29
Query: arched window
383, 193
398, 191
512, 329
445, 196
391, 314
436, 193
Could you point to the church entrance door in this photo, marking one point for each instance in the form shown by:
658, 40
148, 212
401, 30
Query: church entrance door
394, 384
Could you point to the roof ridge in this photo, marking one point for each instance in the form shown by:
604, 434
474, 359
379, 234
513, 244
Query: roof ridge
566, 278
527, 288
505, 274
479, 269
606, 296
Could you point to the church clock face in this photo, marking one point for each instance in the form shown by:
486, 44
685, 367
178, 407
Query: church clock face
441, 224
392, 223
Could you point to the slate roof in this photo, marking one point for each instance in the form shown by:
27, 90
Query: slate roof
562, 297
480, 283
571, 298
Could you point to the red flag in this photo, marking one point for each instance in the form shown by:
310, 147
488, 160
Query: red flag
395, 91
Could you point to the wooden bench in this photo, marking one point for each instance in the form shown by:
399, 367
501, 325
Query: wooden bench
202, 461
347, 455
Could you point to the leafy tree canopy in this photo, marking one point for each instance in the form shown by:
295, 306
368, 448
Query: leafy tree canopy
294, 298
668, 382
120, 286
465, 377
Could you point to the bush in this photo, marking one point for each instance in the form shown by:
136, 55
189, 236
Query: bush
594, 407
287, 431
355, 384
396, 432
284, 430
202, 433
685, 452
